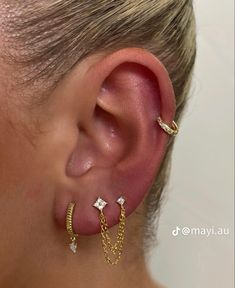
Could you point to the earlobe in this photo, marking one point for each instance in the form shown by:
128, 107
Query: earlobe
121, 138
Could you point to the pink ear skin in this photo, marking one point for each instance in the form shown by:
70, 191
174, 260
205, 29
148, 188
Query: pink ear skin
119, 146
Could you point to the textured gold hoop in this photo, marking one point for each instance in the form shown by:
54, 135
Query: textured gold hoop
69, 227
172, 131
112, 251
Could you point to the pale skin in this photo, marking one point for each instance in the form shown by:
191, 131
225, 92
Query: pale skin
95, 136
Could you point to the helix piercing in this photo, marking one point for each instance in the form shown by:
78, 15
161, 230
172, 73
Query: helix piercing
172, 130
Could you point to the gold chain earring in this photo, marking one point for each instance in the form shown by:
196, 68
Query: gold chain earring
69, 227
172, 130
116, 248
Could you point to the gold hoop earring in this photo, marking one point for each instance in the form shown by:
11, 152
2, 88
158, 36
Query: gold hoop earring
116, 249
69, 227
172, 130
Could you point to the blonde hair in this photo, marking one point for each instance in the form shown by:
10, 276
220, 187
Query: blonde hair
50, 37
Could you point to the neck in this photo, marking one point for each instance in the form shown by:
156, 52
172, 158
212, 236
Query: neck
54, 265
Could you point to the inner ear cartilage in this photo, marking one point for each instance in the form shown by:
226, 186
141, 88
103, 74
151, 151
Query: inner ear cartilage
69, 227
112, 251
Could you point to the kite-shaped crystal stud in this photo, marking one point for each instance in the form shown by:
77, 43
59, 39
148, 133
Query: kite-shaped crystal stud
100, 204
121, 200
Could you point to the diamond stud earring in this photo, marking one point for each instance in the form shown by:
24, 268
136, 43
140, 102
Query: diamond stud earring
69, 227
100, 204
121, 201
115, 249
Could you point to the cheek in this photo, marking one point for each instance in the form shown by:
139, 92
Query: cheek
24, 194
11, 150
18, 157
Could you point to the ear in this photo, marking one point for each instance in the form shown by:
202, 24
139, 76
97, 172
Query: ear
119, 146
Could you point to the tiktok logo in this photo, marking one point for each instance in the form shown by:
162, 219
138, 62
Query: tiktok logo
176, 231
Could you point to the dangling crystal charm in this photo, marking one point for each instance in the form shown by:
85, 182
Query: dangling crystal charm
73, 247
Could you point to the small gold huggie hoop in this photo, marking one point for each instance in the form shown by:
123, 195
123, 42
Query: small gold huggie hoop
172, 131
69, 227
116, 248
